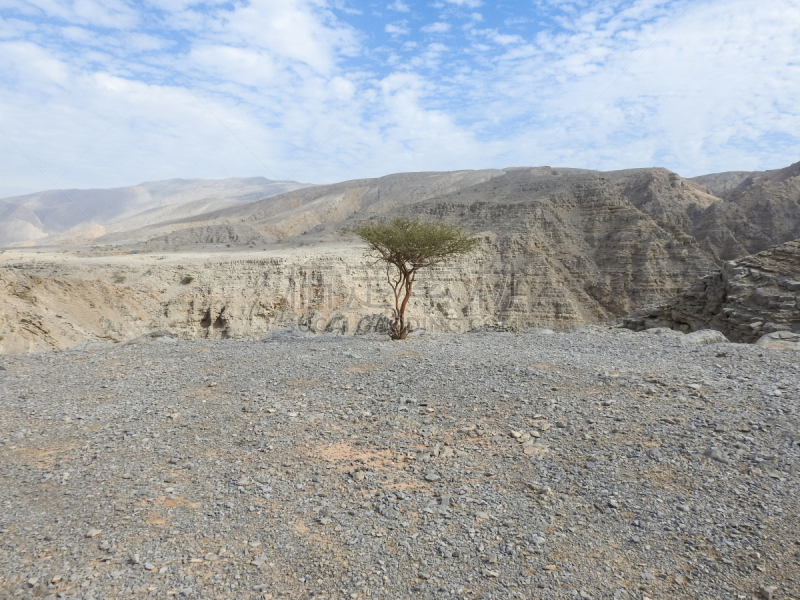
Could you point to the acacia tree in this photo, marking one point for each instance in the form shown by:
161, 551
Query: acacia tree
406, 246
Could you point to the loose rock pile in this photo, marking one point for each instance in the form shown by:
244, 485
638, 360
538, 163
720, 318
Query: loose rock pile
598, 464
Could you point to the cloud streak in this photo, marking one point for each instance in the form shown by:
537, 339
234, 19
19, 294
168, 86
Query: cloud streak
694, 86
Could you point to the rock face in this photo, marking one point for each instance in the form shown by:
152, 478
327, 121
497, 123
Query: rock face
780, 340
746, 299
560, 248
60, 303
763, 210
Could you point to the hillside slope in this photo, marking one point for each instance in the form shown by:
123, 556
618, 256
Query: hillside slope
32, 217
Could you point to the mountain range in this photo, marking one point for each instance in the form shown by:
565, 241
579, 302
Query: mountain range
43, 217
560, 248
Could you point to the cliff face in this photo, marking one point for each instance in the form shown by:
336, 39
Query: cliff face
747, 298
546, 268
560, 248
761, 211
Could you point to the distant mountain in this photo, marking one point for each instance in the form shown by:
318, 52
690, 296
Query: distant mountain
727, 214
760, 211
559, 248
34, 217
608, 241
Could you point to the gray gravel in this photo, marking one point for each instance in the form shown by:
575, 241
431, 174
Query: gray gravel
597, 464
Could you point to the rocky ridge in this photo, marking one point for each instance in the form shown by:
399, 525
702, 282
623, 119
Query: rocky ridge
745, 299
44, 217
561, 248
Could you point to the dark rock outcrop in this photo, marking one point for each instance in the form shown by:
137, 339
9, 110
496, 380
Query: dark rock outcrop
746, 299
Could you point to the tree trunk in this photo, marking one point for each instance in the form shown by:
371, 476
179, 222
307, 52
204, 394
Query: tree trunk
400, 329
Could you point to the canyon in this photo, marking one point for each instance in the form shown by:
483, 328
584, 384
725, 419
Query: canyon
560, 248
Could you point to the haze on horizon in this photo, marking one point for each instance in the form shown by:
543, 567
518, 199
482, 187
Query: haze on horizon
106, 94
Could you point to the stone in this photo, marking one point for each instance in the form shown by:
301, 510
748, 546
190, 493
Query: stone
744, 300
780, 340
766, 592
432, 476
534, 449
705, 337
93, 533
716, 454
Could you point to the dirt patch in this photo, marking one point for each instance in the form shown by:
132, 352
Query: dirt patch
342, 451
363, 368
301, 527
173, 502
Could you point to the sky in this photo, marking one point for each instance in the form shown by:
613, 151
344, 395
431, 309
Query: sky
108, 93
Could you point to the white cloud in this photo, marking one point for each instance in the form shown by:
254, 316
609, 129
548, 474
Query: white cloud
399, 6
622, 84
397, 28
438, 27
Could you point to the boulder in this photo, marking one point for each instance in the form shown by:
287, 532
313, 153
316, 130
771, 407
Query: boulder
705, 337
780, 340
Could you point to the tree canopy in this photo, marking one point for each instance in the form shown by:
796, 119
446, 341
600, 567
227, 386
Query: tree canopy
406, 246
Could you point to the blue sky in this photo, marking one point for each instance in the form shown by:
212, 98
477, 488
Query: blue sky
103, 93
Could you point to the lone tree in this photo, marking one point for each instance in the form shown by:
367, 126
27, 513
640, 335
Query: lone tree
406, 246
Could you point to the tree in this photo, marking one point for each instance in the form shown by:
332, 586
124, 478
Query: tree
406, 246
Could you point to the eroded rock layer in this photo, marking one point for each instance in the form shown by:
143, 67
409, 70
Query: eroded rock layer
560, 248
745, 299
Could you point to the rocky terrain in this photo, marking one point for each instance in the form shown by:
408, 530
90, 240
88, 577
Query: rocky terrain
763, 210
746, 299
560, 248
596, 464
56, 216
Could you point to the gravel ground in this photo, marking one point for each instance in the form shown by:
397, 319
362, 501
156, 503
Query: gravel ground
595, 464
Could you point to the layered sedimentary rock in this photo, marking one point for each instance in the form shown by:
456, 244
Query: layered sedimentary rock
544, 269
745, 299
763, 210
560, 248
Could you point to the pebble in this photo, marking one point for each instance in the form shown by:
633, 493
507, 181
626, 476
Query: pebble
716, 454
364, 489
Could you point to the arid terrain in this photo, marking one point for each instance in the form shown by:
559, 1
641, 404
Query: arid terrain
596, 464
560, 248
182, 414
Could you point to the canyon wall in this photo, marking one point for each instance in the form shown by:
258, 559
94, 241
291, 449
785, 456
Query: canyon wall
745, 299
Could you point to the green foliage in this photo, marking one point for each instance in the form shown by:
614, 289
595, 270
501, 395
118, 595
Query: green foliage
187, 280
406, 246
118, 278
413, 243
